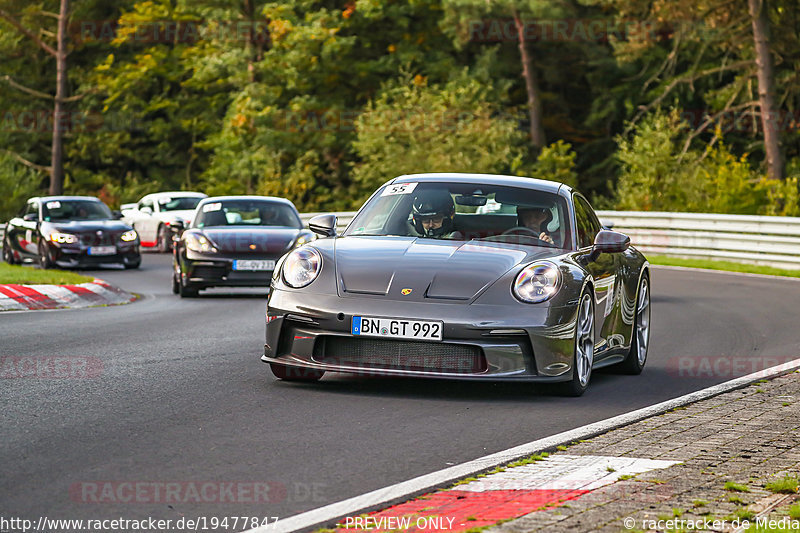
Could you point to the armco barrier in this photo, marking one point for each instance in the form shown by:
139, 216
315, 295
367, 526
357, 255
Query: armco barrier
773, 241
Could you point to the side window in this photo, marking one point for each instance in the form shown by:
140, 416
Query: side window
32, 208
586, 222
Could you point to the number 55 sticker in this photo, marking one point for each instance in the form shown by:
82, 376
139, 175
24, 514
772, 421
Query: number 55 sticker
400, 188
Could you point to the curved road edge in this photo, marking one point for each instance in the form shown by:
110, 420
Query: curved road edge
14, 297
400, 492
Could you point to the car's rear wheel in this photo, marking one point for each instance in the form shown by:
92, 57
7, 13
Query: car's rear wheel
584, 348
45, 261
8, 254
164, 240
640, 338
293, 373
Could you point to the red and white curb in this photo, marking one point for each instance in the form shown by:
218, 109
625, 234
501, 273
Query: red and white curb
15, 297
505, 495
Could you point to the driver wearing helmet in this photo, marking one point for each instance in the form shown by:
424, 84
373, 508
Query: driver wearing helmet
537, 219
432, 214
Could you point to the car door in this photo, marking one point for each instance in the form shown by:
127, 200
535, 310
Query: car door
26, 230
144, 221
603, 268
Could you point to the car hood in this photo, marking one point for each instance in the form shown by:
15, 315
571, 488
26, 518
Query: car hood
439, 269
238, 239
86, 226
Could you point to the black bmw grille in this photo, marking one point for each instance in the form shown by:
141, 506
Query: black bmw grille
105, 238
400, 355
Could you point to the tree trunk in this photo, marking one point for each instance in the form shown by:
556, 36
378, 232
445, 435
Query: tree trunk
57, 152
770, 120
532, 87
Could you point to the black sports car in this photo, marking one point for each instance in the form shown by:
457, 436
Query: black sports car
462, 276
235, 241
70, 231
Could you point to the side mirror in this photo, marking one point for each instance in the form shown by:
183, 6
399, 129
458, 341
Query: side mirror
323, 225
116, 214
177, 226
146, 210
31, 217
610, 242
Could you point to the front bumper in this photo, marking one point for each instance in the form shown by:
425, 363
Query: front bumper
78, 256
480, 342
215, 271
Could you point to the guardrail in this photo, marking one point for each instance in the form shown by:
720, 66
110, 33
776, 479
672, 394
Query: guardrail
773, 241
763, 240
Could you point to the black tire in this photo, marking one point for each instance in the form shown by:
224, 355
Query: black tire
8, 254
293, 373
640, 336
187, 290
132, 266
176, 286
45, 261
164, 240
577, 385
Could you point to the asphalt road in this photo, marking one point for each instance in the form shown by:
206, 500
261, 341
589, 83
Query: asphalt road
183, 398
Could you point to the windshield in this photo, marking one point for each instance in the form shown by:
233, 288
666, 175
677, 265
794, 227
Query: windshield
182, 203
75, 210
246, 213
462, 211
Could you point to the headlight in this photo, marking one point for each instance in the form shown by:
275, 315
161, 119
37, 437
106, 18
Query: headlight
537, 282
199, 243
301, 267
63, 238
128, 236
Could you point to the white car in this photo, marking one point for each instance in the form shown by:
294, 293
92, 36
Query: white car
153, 215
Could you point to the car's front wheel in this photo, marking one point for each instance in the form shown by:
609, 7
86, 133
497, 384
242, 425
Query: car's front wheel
293, 373
584, 348
640, 339
45, 261
187, 290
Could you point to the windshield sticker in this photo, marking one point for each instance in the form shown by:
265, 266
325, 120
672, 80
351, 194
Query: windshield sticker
53, 205
400, 188
216, 206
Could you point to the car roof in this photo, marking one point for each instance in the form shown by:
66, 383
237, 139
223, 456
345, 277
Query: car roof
190, 194
59, 198
247, 197
484, 179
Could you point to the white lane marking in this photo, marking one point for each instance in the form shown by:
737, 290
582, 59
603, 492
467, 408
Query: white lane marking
566, 472
726, 272
404, 490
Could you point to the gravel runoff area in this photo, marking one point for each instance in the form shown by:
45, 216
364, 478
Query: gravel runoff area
739, 459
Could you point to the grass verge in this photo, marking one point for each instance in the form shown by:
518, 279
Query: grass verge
730, 266
35, 276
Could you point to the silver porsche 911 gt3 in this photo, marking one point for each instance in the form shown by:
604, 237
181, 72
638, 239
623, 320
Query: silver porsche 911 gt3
462, 276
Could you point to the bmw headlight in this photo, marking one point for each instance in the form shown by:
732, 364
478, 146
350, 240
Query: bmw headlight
63, 238
199, 244
301, 267
537, 282
128, 236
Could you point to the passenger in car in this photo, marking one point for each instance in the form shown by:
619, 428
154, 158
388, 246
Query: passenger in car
537, 219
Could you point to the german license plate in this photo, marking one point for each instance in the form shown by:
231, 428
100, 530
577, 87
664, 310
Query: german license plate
102, 250
253, 264
397, 328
